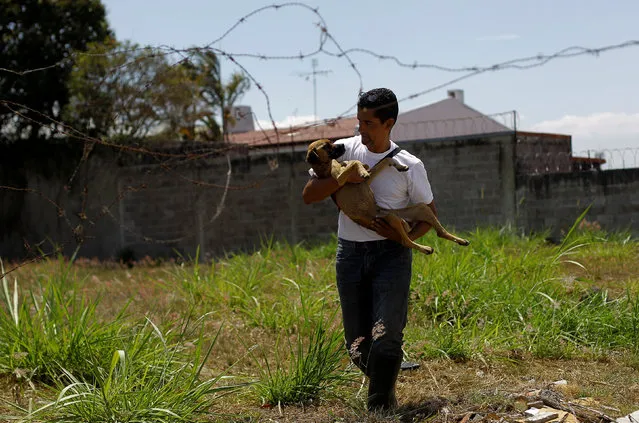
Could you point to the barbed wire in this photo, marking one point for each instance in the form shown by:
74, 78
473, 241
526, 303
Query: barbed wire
189, 52
538, 59
168, 161
167, 50
615, 158
534, 163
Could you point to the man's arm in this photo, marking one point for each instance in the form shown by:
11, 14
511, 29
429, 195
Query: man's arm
421, 228
318, 189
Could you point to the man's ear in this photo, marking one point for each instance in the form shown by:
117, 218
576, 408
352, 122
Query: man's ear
312, 157
390, 122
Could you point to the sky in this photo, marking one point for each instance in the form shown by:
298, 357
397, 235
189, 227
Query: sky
594, 98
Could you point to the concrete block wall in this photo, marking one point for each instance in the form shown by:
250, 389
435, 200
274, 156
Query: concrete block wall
139, 205
538, 153
150, 209
472, 179
263, 201
61, 210
555, 201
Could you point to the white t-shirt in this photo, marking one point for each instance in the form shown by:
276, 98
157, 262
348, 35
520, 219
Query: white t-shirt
392, 189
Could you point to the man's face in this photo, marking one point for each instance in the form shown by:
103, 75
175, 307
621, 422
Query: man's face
374, 133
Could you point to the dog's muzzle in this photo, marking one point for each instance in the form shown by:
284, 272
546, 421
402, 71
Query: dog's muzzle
337, 151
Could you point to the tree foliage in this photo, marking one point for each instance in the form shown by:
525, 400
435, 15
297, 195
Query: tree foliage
219, 96
129, 93
69, 68
41, 35
124, 92
179, 103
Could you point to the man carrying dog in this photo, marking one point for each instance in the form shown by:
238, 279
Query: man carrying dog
373, 269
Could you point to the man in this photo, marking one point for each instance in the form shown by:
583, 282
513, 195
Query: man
373, 269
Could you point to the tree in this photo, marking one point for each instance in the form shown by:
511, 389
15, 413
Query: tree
219, 96
179, 102
42, 34
127, 93
112, 90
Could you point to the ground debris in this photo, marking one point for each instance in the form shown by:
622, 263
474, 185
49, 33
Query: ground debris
551, 406
630, 418
547, 405
541, 416
536, 404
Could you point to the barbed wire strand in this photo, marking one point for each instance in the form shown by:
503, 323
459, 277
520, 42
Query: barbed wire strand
520, 63
541, 60
563, 161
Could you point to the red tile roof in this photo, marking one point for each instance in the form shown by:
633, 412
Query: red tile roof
332, 129
449, 118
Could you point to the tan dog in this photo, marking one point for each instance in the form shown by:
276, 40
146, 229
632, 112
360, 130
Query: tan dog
357, 200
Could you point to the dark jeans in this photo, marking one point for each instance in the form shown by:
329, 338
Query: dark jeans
373, 281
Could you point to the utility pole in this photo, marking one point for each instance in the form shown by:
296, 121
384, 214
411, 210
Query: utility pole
307, 75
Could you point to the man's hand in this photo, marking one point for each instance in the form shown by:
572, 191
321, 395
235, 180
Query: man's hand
382, 227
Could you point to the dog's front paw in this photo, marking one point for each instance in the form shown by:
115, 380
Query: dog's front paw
402, 168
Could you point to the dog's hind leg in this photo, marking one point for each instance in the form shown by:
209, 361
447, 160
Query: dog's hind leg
400, 226
421, 212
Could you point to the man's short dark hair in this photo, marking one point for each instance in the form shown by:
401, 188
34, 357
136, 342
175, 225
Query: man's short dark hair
382, 101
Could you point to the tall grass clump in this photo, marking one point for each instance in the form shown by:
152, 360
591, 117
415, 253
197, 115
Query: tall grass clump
160, 385
305, 367
230, 282
50, 328
117, 371
509, 292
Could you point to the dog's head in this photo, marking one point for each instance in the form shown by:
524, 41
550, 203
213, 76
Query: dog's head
323, 151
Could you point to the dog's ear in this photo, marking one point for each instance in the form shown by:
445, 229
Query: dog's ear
312, 157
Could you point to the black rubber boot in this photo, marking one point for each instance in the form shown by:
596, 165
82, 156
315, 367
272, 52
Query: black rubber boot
383, 371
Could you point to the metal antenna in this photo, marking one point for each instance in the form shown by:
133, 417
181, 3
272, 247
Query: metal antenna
307, 75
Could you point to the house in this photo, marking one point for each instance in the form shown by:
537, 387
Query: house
448, 119
285, 136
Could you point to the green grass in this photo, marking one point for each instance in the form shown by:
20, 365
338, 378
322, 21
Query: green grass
51, 327
120, 370
158, 386
507, 293
108, 343
304, 370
